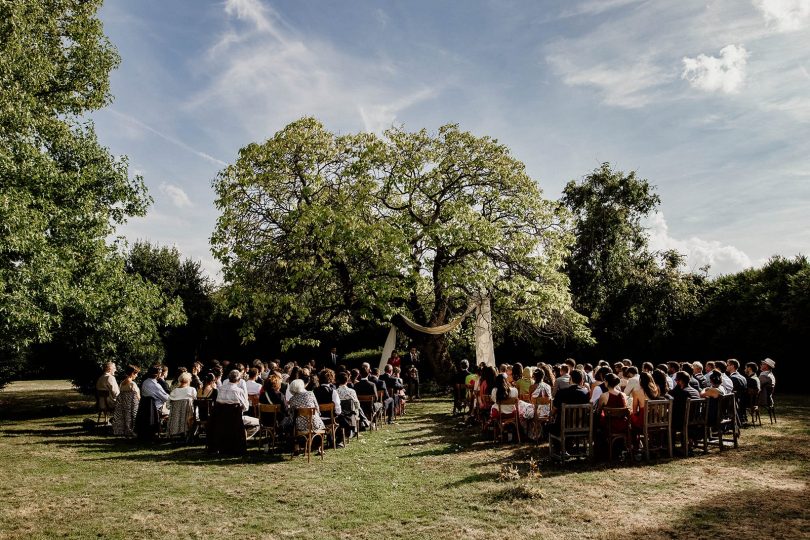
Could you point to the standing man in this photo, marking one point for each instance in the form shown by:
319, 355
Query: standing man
411, 365
332, 360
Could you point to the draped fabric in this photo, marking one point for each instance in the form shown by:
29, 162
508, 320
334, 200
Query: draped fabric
484, 348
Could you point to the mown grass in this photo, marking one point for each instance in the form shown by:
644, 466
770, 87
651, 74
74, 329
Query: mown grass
428, 477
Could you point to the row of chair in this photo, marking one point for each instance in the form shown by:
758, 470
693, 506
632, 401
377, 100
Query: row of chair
576, 436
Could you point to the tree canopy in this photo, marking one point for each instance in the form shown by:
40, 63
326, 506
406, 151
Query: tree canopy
61, 193
325, 232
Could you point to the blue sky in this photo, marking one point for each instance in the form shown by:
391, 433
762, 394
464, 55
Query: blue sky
709, 100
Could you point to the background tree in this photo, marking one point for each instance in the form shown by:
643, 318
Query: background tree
183, 280
61, 193
322, 234
632, 297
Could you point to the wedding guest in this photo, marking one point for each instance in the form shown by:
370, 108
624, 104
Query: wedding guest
126, 408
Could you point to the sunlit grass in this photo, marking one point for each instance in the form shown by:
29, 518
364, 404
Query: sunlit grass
428, 477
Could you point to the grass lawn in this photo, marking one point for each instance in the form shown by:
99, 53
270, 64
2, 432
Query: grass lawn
427, 477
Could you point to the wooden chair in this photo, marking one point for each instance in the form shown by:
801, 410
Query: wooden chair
103, 408
614, 415
347, 405
506, 419
459, 398
726, 421
695, 425
226, 430
770, 404
471, 400
486, 414
253, 401
657, 421
372, 413
203, 407
576, 433
542, 414
268, 424
311, 432
753, 407
327, 412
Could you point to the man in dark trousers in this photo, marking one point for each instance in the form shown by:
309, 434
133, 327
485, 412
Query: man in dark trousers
411, 364
740, 387
366, 387
332, 360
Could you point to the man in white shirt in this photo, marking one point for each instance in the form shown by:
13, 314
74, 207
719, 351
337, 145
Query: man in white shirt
152, 388
563, 381
632, 380
728, 384
252, 388
232, 392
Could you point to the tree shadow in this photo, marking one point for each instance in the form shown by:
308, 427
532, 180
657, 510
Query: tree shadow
771, 512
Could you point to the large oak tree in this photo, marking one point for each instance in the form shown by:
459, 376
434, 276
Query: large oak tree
321, 232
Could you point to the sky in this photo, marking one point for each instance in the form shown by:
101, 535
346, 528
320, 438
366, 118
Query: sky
708, 100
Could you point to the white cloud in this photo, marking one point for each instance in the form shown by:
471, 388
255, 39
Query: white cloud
785, 15
176, 194
722, 259
710, 73
283, 76
622, 85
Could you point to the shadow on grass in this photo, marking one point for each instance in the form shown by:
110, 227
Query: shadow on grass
770, 512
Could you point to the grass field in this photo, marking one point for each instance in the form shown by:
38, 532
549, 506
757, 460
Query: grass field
427, 477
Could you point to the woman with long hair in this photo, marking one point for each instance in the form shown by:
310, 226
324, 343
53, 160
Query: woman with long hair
646, 390
126, 405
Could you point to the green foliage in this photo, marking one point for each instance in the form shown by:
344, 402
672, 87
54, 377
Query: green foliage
185, 282
61, 193
320, 233
632, 297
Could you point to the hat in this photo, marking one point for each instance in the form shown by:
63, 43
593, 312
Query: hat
770, 363
297, 386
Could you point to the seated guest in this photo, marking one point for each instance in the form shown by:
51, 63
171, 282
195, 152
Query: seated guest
632, 380
354, 376
108, 383
662, 381
153, 389
387, 398
600, 386
485, 386
301, 398
613, 398
713, 393
326, 392
740, 386
463, 372
699, 376
181, 408
681, 394
646, 390
548, 374
690, 370
767, 382
161, 378
126, 408
524, 383
728, 384
365, 387
196, 382
231, 392
253, 388
539, 389
575, 394
209, 387
394, 360
752, 385
563, 381
501, 392
272, 394
176, 382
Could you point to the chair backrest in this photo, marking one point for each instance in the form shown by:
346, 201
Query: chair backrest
305, 412
380, 395
697, 413
726, 409
612, 414
367, 404
542, 403
505, 402
576, 418
658, 413
269, 410
253, 401
327, 408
